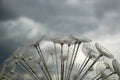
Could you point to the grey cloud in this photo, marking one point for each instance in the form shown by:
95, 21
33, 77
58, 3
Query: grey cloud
22, 27
59, 16
54, 12
16, 32
5, 13
49, 11
103, 6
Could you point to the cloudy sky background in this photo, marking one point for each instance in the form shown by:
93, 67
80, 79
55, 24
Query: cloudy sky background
21, 20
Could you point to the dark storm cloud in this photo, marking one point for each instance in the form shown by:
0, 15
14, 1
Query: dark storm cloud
19, 29
15, 33
106, 6
5, 12
62, 14
58, 15
87, 17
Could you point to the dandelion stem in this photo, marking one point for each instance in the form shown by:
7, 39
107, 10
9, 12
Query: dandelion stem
110, 74
44, 71
26, 69
30, 68
9, 77
66, 68
74, 59
78, 66
42, 68
90, 66
84, 66
71, 62
53, 61
56, 61
42, 58
62, 65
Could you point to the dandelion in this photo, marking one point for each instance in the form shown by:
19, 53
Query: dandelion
56, 58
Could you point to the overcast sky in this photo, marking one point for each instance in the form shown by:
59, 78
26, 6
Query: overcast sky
21, 20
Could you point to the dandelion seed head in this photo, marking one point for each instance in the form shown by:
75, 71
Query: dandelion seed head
55, 57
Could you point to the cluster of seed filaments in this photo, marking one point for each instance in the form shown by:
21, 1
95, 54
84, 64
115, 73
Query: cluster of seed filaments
57, 60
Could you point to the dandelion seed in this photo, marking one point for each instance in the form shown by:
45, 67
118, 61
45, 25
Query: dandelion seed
102, 53
79, 39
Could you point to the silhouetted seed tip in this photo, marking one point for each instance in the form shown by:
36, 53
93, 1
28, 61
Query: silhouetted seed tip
12, 72
30, 58
36, 42
4, 77
108, 66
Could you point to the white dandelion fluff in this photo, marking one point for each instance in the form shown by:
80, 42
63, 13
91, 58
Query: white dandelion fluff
58, 57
